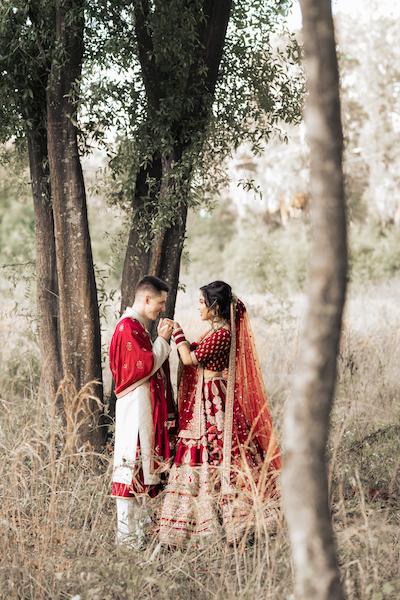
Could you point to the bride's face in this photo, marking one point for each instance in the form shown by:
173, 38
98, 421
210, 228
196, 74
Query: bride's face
205, 312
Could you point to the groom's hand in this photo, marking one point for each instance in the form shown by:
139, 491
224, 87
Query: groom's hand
165, 328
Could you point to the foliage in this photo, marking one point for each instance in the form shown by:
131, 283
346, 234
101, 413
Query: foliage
246, 253
174, 114
17, 237
27, 32
370, 71
374, 252
261, 85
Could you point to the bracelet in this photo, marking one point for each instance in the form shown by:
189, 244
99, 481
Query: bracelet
184, 342
178, 336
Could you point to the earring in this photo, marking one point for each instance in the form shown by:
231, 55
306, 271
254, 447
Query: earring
215, 317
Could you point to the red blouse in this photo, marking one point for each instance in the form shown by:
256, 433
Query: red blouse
213, 351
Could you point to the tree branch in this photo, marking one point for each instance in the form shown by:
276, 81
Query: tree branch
151, 77
35, 29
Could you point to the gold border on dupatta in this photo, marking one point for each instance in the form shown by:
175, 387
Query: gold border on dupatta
230, 392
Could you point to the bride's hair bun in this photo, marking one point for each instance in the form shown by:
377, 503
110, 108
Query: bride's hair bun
218, 293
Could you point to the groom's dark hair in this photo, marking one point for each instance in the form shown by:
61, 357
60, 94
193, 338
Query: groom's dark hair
151, 285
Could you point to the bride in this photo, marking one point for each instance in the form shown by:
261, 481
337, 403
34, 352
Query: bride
227, 459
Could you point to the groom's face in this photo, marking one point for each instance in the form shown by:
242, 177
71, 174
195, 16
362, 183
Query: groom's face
154, 305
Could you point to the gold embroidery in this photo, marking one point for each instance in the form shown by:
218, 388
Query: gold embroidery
227, 448
194, 425
190, 505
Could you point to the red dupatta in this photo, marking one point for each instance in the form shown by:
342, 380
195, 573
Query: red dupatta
248, 426
131, 359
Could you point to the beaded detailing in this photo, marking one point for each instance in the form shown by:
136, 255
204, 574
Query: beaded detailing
227, 457
213, 351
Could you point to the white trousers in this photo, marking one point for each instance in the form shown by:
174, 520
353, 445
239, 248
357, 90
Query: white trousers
127, 509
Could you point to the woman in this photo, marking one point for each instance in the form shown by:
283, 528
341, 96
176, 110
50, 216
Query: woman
227, 458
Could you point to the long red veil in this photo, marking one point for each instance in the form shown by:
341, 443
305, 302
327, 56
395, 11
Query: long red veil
248, 427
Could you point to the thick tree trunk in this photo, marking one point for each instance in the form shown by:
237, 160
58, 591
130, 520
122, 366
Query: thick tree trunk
162, 260
79, 313
163, 254
46, 271
137, 257
163, 257
307, 417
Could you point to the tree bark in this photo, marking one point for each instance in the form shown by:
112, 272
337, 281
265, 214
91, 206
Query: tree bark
46, 272
307, 415
137, 257
79, 313
162, 255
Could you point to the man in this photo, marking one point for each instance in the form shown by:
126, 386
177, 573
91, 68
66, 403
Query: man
141, 434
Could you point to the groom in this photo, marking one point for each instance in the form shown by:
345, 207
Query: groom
141, 435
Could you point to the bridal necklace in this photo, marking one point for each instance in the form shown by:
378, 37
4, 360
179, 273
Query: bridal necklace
215, 325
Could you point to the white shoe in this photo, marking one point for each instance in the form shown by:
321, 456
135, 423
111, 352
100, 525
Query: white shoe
133, 523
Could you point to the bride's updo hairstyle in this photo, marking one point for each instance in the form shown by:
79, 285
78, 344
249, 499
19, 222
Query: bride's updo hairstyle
218, 294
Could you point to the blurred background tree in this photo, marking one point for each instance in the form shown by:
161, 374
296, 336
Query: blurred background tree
370, 73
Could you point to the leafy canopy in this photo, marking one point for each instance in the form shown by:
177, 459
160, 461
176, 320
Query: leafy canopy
148, 81
148, 90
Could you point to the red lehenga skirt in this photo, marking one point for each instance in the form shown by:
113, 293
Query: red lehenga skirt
194, 504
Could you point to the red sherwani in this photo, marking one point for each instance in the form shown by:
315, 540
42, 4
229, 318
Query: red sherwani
141, 409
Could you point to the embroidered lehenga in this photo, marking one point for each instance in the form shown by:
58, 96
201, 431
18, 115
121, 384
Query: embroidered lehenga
227, 459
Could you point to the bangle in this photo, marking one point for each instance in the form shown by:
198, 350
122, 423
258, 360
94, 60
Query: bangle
183, 342
178, 336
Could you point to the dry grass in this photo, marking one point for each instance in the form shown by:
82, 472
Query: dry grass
58, 522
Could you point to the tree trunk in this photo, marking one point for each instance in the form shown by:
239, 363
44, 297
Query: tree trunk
46, 272
79, 313
163, 253
163, 257
137, 257
307, 416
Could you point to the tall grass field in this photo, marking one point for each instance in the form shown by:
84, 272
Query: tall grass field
59, 523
